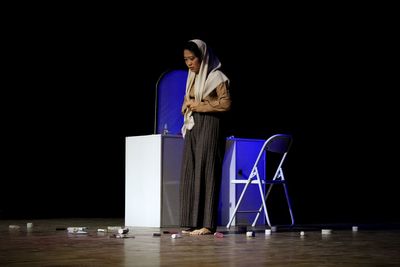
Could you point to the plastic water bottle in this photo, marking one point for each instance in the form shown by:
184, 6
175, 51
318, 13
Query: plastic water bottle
165, 130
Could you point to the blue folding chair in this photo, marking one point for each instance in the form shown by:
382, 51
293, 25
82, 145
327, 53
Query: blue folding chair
280, 145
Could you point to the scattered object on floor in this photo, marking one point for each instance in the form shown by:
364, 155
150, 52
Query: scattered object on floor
326, 231
121, 236
14, 227
29, 225
123, 230
302, 233
218, 234
80, 232
274, 228
250, 234
102, 230
77, 230
156, 234
113, 228
354, 228
268, 231
174, 236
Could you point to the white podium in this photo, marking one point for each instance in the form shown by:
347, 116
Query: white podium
152, 174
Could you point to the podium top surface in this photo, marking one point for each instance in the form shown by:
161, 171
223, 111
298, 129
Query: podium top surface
156, 135
244, 139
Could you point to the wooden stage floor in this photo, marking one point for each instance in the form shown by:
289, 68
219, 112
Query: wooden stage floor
48, 243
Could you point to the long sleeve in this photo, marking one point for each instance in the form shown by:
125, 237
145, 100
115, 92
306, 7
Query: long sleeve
184, 105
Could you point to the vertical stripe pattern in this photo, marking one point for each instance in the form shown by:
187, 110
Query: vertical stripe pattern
201, 172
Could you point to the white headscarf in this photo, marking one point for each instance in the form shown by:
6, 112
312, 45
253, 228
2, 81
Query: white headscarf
208, 78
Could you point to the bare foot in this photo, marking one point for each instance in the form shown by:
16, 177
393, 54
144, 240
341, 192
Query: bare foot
187, 231
202, 231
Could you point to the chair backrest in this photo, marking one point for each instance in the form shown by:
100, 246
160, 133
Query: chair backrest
279, 144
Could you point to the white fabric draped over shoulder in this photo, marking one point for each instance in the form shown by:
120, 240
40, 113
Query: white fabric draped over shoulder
208, 78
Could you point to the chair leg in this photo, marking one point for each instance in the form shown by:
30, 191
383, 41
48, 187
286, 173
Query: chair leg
262, 206
266, 214
263, 201
238, 204
289, 204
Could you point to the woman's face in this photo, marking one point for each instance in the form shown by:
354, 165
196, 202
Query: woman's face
192, 62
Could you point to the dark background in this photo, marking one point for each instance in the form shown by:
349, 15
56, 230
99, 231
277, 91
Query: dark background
77, 83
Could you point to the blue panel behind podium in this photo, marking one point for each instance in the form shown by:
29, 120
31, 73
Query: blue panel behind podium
246, 154
169, 98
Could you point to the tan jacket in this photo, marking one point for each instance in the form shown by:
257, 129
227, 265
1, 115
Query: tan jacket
218, 100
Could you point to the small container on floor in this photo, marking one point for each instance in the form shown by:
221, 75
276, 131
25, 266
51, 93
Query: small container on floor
326, 231
250, 234
218, 234
174, 236
123, 231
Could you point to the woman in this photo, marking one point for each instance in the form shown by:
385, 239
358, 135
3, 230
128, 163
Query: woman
206, 101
